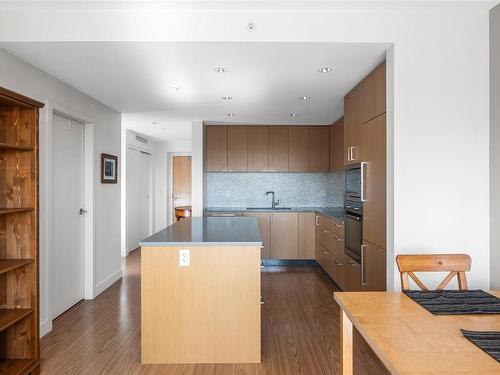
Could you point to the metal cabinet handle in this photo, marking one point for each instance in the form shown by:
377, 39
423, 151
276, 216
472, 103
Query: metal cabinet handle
339, 226
317, 220
363, 264
339, 239
326, 231
348, 154
339, 264
325, 252
363, 182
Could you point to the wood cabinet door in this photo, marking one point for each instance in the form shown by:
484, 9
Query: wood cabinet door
258, 148
307, 234
373, 271
374, 207
216, 148
352, 276
237, 149
264, 222
284, 234
337, 146
353, 103
278, 148
298, 149
319, 149
374, 94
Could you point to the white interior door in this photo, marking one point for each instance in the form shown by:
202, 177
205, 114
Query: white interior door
138, 203
68, 221
146, 186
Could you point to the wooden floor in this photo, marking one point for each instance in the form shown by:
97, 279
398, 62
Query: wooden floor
299, 330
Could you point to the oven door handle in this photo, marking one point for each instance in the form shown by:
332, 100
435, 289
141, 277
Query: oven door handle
363, 181
357, 218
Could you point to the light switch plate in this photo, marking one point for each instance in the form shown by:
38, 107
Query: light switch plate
184, 258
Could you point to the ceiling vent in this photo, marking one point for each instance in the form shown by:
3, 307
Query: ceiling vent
141, 139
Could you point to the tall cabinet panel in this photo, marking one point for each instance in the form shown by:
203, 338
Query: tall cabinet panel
353, 109
237, 149
19, 256
374, 208
216, 149
258, 148
298, 149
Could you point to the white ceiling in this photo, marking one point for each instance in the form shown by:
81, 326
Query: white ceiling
264, 79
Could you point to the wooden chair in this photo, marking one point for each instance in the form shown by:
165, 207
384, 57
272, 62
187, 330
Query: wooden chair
456, 264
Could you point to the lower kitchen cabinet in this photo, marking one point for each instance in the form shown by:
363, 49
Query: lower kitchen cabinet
374, 267
264, 222
306, 235
352, 276
284, 233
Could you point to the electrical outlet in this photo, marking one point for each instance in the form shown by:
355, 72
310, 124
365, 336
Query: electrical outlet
227, 194
184, 258
322, 193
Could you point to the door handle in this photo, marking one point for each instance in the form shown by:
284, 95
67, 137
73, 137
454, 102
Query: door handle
82, 211
363, 265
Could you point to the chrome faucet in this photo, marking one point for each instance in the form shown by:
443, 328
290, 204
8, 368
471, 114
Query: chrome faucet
275, 202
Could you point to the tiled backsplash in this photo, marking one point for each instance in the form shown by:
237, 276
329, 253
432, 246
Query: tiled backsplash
292, 189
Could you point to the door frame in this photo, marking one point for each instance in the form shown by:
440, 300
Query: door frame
170, 183
46, 204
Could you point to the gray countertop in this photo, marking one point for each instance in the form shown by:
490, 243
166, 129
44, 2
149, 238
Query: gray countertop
335, 213
208, 231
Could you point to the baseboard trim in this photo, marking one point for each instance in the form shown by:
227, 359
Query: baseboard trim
107, 282
289, 262
45, 327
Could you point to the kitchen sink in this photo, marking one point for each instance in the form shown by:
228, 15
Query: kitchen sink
269, 208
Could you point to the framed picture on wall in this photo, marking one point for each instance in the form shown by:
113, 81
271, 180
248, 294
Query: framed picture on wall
109, 171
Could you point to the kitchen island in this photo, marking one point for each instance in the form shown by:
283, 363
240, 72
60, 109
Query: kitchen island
200, 292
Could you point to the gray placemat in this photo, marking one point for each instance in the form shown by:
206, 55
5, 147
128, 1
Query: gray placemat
489, 342
456, 302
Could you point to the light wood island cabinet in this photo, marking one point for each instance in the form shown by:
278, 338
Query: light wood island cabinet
201, 300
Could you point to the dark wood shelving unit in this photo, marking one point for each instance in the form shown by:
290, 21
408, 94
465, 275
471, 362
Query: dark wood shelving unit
19, 253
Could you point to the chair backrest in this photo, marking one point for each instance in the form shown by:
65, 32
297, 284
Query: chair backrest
455, 264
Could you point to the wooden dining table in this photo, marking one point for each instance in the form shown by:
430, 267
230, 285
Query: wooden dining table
410, 340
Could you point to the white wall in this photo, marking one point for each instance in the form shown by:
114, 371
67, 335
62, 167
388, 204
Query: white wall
21, 77
441, 91
495, 146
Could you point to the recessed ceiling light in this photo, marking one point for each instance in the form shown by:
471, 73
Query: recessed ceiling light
304, 97
156, 123
220, 69
324, 69
231, 114
227, 97
294, 114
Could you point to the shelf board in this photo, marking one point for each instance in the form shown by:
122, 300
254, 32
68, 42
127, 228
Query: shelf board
7, 265
9, 317
7, 211
16, 366
14, 147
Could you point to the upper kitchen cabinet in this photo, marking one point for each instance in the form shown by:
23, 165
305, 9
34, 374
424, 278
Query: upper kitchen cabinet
337, 146
258, 148
319, 149
374, 94
374, 207
237, 149
216, 148
298, 149
278, 148
352, 125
